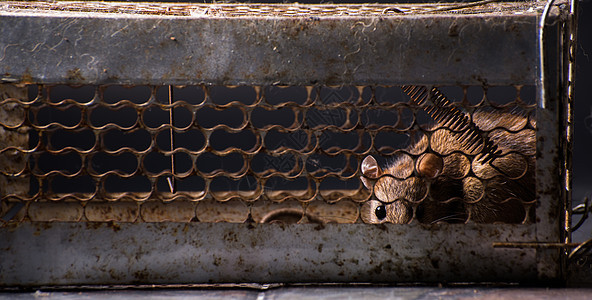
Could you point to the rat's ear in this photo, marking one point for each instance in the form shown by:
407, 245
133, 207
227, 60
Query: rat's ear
429, 165
370, 170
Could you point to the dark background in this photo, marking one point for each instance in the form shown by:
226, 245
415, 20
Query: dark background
582, 180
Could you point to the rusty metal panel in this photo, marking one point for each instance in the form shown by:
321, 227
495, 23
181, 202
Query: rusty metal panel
280, 44
168, 253
311, 292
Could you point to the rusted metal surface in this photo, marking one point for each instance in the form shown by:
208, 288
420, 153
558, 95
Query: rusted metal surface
316, 292
112, 253
210, 46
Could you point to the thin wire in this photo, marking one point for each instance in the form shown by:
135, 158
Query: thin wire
583, 209
171, 180
472, 4
580, 250
542, 22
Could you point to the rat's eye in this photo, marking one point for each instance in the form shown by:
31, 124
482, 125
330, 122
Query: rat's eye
380, 212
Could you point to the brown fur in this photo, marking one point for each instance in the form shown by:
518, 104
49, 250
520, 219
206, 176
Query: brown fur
456, 194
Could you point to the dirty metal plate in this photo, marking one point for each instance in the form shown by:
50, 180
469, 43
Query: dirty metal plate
36, 254
332, 49
316, 292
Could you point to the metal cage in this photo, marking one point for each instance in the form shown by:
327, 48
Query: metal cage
145, 143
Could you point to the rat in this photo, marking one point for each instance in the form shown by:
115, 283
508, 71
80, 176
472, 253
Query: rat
447, 182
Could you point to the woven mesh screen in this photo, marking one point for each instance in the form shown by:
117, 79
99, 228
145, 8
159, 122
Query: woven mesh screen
261, 154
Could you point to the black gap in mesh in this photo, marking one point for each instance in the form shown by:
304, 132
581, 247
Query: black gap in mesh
528, 94
223, 183
116, 184
322, 164
317, 117
69, 162
78, 184
453, 93
209, 117
192, 140
333, 141
277, 183
390, 95
379, 117
192, 94
81, 139
208, 162
223, 140
284, 117
223, 95
283, 163
333, 183
35, 91
501, 95
125, 162
342, 94
137, 139
80, 94
155, 116
276, 95
391, 140
135, 94
67, 115
474, 95
155, 162
187, 184
296, 140
124, 116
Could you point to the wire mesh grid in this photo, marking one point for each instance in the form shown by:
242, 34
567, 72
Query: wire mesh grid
237, 153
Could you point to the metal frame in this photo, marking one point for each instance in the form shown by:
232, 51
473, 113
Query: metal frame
83, 48
392, 49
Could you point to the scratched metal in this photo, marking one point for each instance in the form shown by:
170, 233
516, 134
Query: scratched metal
104, 253
86, 196
312, 292
272, 44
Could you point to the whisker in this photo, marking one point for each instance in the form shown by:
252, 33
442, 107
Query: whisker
455, 217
